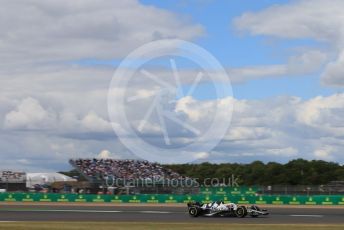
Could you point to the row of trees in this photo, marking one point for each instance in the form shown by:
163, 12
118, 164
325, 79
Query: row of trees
295, 172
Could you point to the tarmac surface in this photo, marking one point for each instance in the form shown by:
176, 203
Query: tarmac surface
132, 213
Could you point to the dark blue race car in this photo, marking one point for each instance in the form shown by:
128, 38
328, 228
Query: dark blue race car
220, 208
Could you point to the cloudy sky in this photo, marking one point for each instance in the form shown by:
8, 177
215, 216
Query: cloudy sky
284, 60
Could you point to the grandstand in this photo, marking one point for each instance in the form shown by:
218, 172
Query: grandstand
139, 175
12, 180
12, 177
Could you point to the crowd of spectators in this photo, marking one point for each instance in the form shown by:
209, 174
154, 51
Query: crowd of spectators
123, 169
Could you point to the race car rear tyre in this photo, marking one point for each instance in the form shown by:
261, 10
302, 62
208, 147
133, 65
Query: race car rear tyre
241, 212
193, 211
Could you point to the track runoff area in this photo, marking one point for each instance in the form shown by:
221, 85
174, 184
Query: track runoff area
159, 216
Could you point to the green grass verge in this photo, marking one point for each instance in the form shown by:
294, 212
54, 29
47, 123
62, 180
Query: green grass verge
152, 226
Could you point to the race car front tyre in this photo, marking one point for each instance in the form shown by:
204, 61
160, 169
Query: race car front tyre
241, 212
193, 211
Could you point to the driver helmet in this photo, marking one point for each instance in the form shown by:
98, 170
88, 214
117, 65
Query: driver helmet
219, 202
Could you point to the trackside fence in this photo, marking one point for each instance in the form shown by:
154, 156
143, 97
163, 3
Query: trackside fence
241, 199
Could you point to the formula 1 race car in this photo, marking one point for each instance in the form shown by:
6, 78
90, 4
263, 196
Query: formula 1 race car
219, 208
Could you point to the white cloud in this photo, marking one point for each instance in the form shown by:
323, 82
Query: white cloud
270, 130
322, 111
95, 123
320, 20
240, 75
29, 114
106, 154
199, 111
334, 72
60, 107
324, 153
285, 152
285, 127
246, 133
201, 156
306, 62
191, 108
317, 19
68, 104
69, 30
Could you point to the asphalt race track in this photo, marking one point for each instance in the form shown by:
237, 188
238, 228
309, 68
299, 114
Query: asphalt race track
278, 215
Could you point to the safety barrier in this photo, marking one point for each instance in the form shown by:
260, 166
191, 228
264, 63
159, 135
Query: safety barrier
228, 190
159, 198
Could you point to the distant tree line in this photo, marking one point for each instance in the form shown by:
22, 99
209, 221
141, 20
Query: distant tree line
295, 172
